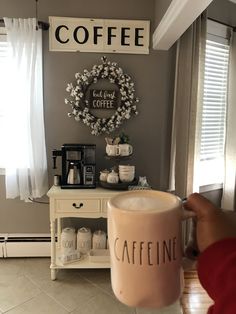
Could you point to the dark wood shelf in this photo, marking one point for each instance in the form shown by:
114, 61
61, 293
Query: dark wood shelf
117, 186
118, 158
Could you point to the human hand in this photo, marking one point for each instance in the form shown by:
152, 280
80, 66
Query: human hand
213, 224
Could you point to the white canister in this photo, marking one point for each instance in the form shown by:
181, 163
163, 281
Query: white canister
84, 240
113, 177
99, 239
68, 241
103, 175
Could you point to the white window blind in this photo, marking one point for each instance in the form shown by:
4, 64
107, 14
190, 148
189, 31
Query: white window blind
214, 101
214, 106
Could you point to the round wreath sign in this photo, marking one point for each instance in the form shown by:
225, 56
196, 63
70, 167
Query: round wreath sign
80, 105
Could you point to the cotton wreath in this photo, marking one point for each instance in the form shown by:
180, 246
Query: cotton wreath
80, 105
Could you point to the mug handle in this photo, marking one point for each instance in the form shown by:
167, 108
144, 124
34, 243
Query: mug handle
130, 149
186, 214
117, 150
190, 251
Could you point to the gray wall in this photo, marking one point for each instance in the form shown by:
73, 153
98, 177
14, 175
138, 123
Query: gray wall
149, 131
223, 11
160, 9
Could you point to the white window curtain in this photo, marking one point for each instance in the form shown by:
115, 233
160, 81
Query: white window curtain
26, 163
229, 188
185, 145
187, 110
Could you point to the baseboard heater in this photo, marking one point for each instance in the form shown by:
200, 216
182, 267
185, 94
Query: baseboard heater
24, 245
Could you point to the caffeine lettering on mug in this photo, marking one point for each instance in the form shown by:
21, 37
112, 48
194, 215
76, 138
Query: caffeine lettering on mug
150, 253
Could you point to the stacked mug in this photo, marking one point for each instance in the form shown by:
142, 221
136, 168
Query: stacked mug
126, 173
119, 149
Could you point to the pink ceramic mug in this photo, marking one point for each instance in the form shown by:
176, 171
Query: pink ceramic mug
144, 232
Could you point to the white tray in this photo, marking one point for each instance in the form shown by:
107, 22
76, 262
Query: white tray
99, 256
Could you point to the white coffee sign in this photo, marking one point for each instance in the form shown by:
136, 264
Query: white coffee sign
99, 35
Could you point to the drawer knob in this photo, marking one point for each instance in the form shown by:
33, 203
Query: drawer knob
77, 206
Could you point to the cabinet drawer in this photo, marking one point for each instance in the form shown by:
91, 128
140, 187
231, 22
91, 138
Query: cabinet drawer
104, 205
78, 206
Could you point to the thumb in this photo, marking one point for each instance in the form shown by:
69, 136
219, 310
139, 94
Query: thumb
200, 205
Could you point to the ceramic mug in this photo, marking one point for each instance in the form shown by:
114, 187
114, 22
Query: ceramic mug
126, 173
126, 177
144, 233
112, 150
125, 149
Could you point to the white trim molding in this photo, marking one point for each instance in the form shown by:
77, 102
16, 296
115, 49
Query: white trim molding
178, 17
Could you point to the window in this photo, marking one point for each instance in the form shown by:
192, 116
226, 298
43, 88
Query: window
21, 107
214, 109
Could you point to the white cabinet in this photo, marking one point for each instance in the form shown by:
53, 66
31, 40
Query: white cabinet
80, 203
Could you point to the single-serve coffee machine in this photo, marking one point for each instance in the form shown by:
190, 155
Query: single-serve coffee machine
78, 165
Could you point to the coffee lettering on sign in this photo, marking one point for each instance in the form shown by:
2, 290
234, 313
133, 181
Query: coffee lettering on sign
151, 253
110, 34
138, 36
96, 34
103, 99
99, 35
58, 36
82, 34
124, 35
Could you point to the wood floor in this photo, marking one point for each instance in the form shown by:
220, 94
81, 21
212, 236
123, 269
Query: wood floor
194, 300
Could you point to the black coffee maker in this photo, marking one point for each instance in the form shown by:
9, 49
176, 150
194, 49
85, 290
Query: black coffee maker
78, 165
